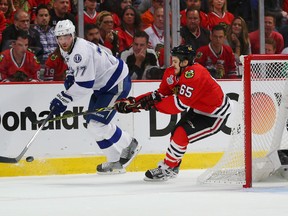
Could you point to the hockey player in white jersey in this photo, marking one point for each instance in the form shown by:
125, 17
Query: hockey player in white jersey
90, 67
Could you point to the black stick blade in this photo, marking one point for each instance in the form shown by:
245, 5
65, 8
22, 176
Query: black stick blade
8, 160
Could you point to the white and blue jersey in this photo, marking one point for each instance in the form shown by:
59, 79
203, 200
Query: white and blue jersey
96, 70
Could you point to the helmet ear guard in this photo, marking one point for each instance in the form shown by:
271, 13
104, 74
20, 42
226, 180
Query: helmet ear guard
184, 52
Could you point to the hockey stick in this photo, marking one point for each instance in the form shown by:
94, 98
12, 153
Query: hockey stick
18, 158
32, 117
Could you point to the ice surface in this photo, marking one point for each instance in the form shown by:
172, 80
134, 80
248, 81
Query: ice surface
128, 195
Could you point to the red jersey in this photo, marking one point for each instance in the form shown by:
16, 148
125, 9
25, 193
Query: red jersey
254, 38
55, 68
209, 59
87, 18
2, 24
195, 89
125, 39
214, 19
203, 18
116, 19
29, 66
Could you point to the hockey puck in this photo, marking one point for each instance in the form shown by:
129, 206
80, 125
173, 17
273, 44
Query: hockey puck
30, 159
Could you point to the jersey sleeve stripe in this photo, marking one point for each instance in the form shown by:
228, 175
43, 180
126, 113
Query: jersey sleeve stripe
114, 77
179, 104
86, 84
221, 111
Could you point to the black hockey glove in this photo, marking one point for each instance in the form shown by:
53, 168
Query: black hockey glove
150, 100
126, 105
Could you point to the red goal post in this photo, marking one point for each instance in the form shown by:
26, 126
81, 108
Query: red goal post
259, 124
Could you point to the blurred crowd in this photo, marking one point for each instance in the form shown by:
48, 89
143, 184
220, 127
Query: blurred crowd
220, 31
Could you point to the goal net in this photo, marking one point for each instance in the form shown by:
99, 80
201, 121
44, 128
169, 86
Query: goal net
259, 124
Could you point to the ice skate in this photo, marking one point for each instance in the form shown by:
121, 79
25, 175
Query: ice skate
129, 153
110, 168
162, 173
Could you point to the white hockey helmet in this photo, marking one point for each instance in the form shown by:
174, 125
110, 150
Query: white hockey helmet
64, 27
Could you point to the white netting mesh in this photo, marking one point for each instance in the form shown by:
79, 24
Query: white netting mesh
268, 119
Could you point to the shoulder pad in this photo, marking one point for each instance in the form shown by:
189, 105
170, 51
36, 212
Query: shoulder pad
36, 59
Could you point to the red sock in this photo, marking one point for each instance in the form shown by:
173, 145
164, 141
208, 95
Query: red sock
179, 141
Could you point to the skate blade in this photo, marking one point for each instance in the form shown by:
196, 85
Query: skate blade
155, 180
115, 172
136, 151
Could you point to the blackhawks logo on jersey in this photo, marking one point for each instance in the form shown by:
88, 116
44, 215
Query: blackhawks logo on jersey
1, 57
189, 74
199, 55
53, 57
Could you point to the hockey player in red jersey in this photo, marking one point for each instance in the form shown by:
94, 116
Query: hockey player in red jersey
186, 86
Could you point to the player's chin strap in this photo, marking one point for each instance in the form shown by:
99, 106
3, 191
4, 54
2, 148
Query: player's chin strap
73, 44
181, 68
180, 72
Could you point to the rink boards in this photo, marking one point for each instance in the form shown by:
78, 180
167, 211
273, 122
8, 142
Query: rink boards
66, 147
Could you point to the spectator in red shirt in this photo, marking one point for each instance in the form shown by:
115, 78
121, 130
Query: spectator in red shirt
194, 5
218, 14
22, 22
18, 63
217, 57
2, 24
7, 7
270, 22
89, 12
118, 10
130, 23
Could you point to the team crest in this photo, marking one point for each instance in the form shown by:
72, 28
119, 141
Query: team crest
77, 58
189, 74
53, 57
199, 55
170, 80
1, 57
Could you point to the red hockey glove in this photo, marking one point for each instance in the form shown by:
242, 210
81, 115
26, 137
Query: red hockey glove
150, 100
126, 105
